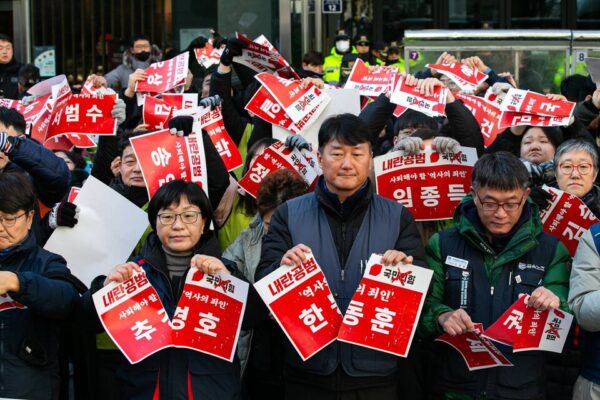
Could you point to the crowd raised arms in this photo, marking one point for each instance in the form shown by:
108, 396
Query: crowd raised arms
220, 224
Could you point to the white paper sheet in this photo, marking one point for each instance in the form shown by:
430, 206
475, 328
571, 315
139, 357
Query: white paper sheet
109, 227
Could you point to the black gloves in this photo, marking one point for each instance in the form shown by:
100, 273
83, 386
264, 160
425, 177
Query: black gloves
181, 125
63, 214
233, 49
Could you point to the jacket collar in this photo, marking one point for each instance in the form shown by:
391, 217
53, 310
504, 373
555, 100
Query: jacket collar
330, 200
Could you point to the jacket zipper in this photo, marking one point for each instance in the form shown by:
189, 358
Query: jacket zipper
343, 260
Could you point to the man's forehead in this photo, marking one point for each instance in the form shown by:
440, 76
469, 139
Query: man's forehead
338, 145
497, 194
128, 152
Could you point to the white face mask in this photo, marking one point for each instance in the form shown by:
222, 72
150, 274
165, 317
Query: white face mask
342, 46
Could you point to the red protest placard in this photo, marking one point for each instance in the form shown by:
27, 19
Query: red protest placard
370, 83
429, 184
527, 102
134, 317
84, 115
286, 71
259, 57
165, 75
7, 303
506, 328
566, 218
208, 55
157, 113
296, 99
477, 351
275, 157
73, 193
543, 330
212, 122
61, 93
180, 101
264, 106
164, 157
407, 96
209, 314
8, 103
487, 115
384, 312
512, 118
302, 304
32, 111
466, 78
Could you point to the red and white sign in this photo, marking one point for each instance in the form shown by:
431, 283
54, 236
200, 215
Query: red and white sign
525, 101
133, 316
157, 113
60, 95
297, 99
429, 184
84, 115
180, 101
8, 103
384, 312
264, 106
261, 56
477, 351
487, 115
209, 314
511, 118
466, 78
164, 157
208, 55
165, 75
409, 97
543, 330
7, 303
566, 218
212, 122
302, 304
287, 71
275, 157
73, 193
509, 325
371, 83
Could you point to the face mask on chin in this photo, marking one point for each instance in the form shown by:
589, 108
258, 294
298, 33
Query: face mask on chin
342, 46
143, 56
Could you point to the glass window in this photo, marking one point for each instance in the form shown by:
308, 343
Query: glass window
467, 14
400, 15
588, 14
536, 14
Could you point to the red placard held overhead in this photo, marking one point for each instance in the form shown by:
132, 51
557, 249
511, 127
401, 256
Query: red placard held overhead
209, 314
465, 77
157, 113
302, 304
134, 317
371, 82
165, 75
525, 101
487, 115
429, 184
384, 312
409, 97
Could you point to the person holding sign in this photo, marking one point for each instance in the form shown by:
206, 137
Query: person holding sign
496, 252
343, 222
36, 294
180, 215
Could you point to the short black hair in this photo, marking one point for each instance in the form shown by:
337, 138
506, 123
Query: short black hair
576, 87
172, 193
138, 36
5, 38
411, 119
17, 193
345, 128
11, 117
124, 139
313, 58
500, 171
29, 75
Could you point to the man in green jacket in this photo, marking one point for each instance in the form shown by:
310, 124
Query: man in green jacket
495, 252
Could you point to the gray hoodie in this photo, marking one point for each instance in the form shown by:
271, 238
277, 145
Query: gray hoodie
118, 78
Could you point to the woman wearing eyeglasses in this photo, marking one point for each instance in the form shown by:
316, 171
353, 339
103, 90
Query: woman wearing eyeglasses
35, 295
576, 168
180, 216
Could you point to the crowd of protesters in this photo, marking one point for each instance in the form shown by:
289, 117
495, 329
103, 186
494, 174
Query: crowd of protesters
53, 346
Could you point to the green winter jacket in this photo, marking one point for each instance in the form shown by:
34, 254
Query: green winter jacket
556, 277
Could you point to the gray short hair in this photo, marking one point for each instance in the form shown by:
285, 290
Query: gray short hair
577, 145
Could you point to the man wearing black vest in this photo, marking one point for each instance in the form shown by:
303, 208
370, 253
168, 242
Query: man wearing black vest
343, 222
495, 252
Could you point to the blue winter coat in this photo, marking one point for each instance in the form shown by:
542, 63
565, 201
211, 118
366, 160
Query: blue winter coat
29, 336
